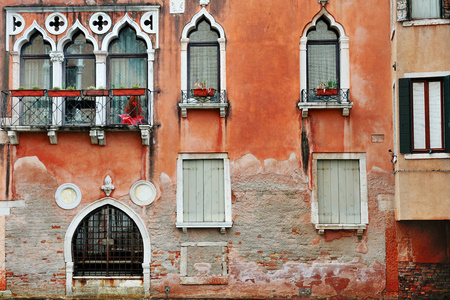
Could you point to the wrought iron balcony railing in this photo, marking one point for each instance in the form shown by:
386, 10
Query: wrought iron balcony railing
203, 96
76, 109
315, 95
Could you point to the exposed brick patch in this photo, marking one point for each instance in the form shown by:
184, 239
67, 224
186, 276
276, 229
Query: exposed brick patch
423, 281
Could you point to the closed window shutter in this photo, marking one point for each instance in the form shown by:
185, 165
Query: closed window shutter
203, 190
403, 10
445, 7
338, 189
447, 113
405, 114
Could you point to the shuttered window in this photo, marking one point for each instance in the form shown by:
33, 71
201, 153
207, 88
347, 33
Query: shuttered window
338, 189
424, 111
203, 190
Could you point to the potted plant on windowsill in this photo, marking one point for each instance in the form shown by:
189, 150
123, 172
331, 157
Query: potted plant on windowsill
35, 91
92, 91
328, 88
135, 90
200, 90
70, 91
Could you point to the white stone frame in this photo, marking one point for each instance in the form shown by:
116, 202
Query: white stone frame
363, 190
57, 56
197, 280
227, 192
151, 197
126, 20
344, 66
222, 105
64, 205
50, 18
81, 215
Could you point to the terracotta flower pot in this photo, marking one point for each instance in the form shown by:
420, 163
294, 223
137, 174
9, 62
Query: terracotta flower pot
326, 92
25, 93
203, 92
96, 92
128, 92
64, 93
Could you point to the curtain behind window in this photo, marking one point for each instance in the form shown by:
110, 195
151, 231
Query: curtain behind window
425, 9
127, 68
37, 71
204, 56
322, 55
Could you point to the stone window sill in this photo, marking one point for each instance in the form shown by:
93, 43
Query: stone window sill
306, 106
221, 106
426, 22
427, 156
359, 227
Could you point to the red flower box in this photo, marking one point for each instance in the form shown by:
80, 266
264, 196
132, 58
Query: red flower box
96, 92
203, 92
25, 93
128, 92
64, 93
327, 92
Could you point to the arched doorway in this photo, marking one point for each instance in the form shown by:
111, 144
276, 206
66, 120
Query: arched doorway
107, 241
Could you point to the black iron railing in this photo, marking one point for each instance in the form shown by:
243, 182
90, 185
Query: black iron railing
315, 95
75, 108
207, 96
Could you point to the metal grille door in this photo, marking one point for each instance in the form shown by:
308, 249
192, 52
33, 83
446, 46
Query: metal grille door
107, 243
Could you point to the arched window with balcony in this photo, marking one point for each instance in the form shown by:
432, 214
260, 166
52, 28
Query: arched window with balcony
127, 68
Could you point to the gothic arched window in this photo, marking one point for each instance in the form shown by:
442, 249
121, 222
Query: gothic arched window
107, 242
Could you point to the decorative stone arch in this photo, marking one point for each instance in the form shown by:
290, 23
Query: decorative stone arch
344, 70
15, 53
68, 258
27, 36
70, 33
203, 13
126, 20
101, 70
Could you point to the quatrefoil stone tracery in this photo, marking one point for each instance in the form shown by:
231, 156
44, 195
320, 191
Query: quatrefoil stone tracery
148, 22
100, 23
56, 23
17, 24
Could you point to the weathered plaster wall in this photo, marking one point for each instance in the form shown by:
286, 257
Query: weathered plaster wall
273, 249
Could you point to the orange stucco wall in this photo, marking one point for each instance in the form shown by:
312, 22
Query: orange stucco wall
262, 136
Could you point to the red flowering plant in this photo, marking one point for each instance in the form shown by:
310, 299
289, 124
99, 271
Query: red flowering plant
133, 112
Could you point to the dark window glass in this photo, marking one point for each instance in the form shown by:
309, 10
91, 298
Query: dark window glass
79, 63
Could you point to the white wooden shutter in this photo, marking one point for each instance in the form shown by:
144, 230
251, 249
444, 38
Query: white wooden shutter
338, 189
203, 190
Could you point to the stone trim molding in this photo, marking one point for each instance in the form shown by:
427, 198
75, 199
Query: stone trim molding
126, 20
344, 60
6, 205
227, 192
27, 35
203, 13
81, 215
69, 35
187, 280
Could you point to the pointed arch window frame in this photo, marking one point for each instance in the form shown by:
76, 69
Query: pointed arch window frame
68, 257
344, 67
184, 104
57, 59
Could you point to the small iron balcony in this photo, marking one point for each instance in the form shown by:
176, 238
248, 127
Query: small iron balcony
75, 109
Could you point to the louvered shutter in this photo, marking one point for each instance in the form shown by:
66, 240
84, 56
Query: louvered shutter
338, 189
405, 115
